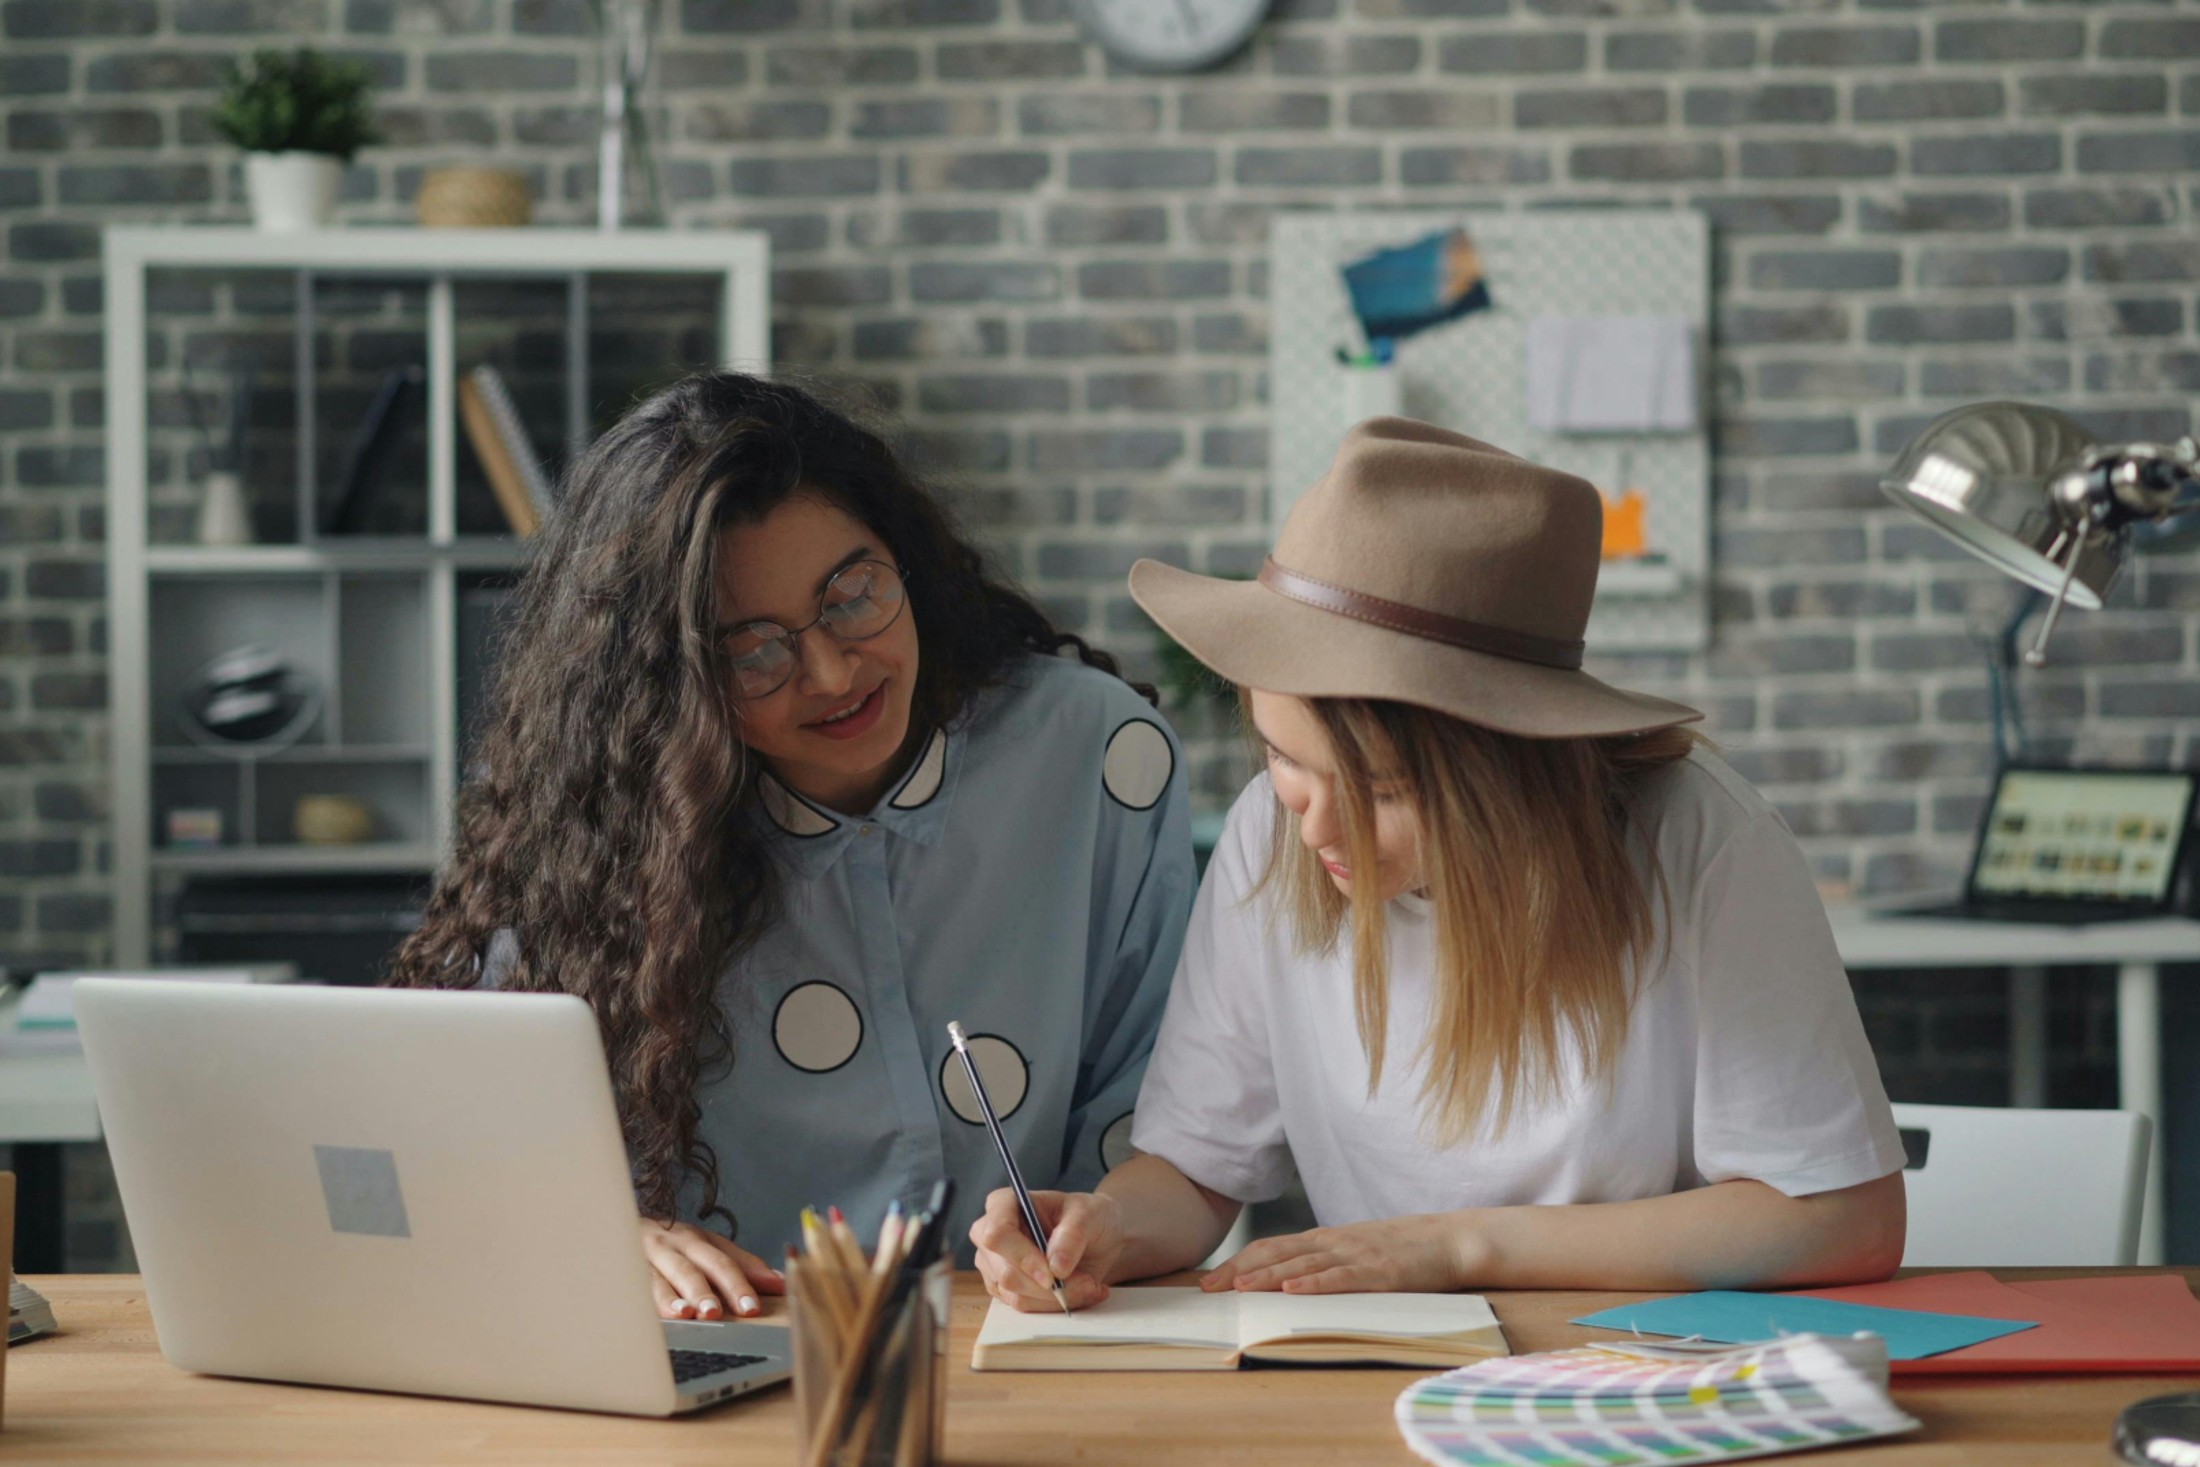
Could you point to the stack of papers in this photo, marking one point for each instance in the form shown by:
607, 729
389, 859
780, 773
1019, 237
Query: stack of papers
29, 1315
44, 1021
45, 1018
1624, 1404
1958, 1323
1736, 1317
2128, 1322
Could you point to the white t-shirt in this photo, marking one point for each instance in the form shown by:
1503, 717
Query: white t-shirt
1744, 1055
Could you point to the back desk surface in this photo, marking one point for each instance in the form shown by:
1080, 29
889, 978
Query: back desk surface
101, 1393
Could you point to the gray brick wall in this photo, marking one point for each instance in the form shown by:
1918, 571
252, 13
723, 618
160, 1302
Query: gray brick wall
1056, 272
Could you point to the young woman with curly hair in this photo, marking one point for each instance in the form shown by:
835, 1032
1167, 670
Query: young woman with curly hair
781, 779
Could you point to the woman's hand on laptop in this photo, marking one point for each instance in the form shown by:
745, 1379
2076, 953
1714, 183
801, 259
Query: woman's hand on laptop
695, 1274
1085, 1239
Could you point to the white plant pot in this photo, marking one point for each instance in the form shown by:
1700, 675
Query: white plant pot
292, 191
224, 516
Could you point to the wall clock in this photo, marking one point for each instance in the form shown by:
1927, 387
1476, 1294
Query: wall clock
1170, 35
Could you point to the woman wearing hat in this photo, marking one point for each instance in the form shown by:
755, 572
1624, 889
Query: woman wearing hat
1532, 988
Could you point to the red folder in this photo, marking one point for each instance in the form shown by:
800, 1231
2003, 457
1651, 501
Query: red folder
2135, 1323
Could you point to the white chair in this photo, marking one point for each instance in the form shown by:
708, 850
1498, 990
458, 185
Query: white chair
1991, 1187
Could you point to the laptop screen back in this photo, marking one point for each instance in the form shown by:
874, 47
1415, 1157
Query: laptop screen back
2109, 836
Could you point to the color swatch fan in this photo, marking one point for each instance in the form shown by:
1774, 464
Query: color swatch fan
1624, 1404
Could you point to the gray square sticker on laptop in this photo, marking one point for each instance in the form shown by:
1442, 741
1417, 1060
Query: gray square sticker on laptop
359, 1184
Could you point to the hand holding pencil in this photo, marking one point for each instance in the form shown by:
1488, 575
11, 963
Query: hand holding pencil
1085, 1238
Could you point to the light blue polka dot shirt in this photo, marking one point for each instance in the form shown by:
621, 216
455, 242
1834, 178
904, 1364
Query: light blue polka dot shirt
1031, 876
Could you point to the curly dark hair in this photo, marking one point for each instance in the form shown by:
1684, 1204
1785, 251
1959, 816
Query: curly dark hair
599, 825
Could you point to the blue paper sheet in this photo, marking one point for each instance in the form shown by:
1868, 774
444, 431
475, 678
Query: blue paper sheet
1732, 1317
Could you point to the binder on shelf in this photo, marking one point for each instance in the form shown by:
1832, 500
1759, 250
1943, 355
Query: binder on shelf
394, 402
507, 458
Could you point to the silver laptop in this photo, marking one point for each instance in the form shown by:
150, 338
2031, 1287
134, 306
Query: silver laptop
396, 1191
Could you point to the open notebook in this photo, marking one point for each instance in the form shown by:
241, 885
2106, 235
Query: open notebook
1186, 1329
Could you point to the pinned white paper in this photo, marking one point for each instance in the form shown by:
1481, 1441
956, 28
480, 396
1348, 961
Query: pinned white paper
1611, 374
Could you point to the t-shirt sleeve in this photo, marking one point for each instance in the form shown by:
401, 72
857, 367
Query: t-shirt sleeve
1787, 1090
1209, 1105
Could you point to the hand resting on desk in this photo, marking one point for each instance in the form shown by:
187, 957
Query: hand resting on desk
1410, 1254
1405, 1254
1148, 1219
694, 1274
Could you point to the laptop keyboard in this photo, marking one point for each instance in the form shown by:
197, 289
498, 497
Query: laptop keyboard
690, 1365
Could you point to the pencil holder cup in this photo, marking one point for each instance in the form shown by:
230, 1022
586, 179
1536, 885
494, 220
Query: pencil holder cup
870, 1393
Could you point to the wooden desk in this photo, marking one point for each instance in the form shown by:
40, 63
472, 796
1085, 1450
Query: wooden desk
100, 1392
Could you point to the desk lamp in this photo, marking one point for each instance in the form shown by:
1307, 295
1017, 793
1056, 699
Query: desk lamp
2032, 493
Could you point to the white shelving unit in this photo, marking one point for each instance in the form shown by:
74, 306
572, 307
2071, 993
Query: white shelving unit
382, 621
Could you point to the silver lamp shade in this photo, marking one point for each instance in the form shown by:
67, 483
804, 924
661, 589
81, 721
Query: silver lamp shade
1987, 476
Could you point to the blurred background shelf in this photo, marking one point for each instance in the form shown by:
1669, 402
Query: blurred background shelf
1634, 578
298, 859
384, 590
298, 754
361, 553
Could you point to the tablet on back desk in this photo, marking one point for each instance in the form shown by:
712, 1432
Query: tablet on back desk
392, 1190
2076, 846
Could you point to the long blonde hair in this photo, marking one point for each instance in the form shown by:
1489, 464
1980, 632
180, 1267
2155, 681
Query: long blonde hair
1542, 922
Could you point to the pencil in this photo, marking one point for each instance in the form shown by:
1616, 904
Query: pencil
1008, 1158
836, 1227
872, 1292
826, 1266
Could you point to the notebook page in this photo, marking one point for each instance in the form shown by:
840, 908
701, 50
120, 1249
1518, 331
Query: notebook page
1404, 1316
1127, 1316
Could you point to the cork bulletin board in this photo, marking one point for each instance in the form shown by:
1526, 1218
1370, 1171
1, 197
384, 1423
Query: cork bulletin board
1470, 374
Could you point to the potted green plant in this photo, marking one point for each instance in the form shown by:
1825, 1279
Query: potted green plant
300, 117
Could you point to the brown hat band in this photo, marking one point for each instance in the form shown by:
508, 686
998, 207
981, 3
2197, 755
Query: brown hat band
1431, 626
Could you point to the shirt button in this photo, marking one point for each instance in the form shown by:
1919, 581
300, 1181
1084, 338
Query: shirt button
870, 830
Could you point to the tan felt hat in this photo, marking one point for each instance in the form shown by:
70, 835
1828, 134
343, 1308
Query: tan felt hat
1424, 568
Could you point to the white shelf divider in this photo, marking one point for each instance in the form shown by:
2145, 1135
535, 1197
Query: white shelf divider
442, 412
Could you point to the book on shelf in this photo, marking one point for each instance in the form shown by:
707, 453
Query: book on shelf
29, 1315
1189, 1329
394, 404
500, 442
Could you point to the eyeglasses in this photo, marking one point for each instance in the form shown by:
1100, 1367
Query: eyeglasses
858, 604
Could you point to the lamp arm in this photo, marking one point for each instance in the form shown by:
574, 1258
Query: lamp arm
2036, 656
2010, 743
2124, 483
2110, 489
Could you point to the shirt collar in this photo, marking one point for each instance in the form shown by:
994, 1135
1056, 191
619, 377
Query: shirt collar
811, 837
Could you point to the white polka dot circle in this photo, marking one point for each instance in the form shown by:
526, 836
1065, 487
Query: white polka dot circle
1115, 1142
817, 1028
1138, 764
1006, 1078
